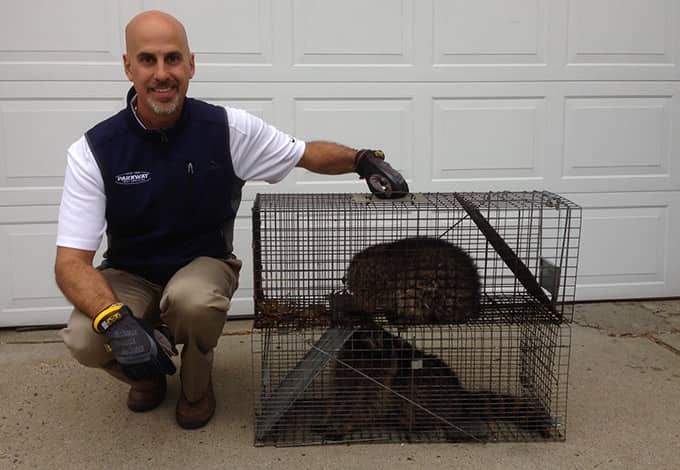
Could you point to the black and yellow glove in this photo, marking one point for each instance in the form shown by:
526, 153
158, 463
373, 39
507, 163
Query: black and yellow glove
383, 180
142, 351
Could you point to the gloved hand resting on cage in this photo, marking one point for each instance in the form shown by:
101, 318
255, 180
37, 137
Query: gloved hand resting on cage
335, 159
383, 180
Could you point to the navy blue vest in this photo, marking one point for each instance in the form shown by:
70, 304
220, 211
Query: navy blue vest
171, 194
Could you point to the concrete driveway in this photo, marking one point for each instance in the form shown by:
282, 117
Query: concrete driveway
623, 409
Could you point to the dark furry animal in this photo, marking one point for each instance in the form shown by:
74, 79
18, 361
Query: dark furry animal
415, 281
382, 381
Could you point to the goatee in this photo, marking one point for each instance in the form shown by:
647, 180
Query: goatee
164, 109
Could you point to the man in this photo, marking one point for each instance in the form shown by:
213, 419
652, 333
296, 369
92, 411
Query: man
163, 179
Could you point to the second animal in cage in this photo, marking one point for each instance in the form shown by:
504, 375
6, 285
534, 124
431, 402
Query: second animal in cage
412, 281
381, 380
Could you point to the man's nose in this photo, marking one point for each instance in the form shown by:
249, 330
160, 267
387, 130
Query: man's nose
161, 72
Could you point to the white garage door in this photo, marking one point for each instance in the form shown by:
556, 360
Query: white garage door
580, 97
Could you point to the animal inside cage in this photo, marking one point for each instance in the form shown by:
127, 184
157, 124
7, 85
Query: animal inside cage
431, 318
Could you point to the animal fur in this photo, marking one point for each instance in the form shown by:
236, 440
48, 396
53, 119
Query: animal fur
415, 281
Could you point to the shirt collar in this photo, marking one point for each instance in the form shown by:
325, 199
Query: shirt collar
133, 106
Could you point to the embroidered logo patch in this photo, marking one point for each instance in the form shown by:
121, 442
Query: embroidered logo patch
133, 177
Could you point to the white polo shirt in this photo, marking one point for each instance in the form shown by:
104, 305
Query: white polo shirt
259, 151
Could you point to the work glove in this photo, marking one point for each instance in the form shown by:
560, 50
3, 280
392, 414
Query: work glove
143, 352
383, 180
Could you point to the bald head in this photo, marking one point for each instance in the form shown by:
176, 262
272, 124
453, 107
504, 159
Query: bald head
154, 23
158, 61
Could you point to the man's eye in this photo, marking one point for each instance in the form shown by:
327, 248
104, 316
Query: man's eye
146, 60
174, 59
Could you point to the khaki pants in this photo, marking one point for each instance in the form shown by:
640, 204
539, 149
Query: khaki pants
193, 304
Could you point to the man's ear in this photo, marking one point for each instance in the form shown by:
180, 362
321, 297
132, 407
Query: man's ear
192, 66
126, 66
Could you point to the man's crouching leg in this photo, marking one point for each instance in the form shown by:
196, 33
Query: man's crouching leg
89, 348
194, 305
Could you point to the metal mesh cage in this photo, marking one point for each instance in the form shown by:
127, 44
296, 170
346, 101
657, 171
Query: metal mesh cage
435, 317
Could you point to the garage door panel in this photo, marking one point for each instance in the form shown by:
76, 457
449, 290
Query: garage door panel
40, 40
490, 31
635, 39
630, 246
34, 30
35, 134
27, 286
618, 136
31, 260
488, 138
365, 123
638, 31
225, 31
352, 32
627, 247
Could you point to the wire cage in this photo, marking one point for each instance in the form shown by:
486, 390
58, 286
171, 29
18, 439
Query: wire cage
437, 317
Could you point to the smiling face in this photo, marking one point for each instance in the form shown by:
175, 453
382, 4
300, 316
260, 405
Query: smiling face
159, 64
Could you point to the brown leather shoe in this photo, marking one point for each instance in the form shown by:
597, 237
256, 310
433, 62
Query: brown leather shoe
147, 395
193, 415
